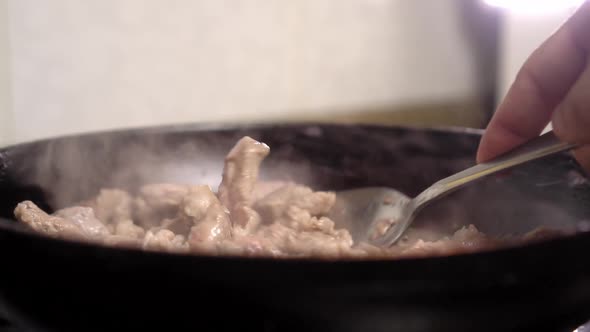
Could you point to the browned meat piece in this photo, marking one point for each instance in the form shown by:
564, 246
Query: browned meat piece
72, 223
240, 174
157, 202
207, 219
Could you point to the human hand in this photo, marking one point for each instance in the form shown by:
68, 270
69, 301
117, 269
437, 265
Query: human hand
553, 85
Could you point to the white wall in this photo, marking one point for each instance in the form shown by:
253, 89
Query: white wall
91, 65
520, 35
6, 121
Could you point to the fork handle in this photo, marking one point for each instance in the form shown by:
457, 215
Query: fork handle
539, 147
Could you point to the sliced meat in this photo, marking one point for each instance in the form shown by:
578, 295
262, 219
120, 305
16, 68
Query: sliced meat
112, 206
318, 244
240, 174
164, 240
156, 202
127, 228
275, 205
197, 202
123, 241
206, 218
177, 225
301, 220
163, 195
73, 223
279, 240
84, 218
246, 218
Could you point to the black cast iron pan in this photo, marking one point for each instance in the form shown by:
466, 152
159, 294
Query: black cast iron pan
56, 285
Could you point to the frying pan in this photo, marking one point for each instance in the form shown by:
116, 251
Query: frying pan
56, 285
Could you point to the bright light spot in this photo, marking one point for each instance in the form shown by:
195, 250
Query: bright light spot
535, 6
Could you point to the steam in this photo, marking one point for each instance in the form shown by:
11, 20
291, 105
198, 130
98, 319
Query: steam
74, 169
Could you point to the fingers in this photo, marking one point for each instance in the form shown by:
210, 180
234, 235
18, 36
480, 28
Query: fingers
541, 84
571, 119
583, 156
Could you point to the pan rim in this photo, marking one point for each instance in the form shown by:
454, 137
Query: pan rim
7, 225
